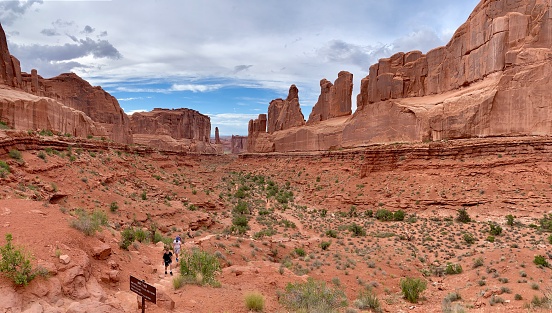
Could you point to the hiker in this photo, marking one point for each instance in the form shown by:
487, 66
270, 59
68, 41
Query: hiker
177, 244
167, 259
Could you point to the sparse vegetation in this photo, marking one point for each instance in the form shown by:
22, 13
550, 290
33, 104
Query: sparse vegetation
199, 266
89, 223
15, 263
412, 287
312, 297
254, 301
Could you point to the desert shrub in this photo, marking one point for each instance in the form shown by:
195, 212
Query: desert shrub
127, 238
452, 269
4, 125
142, 235
15, 263
89, 223
300, 252
495, 229
325, 245
357, 230
240, 224
15, 154
510, 220
398, 215
254, 301
46, 132
490, 238
463, 216
178, 282
312, 297
546, 222
412, 287
241, 208
4, 169
200, 266
549, 238
469, 238
384, 215
144, 195
478, 262
367, 300
264, 233
331, 233
540, 260
113, 207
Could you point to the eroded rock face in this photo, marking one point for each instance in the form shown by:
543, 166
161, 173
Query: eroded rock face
334, 99
239, 144
10, 69
217, 136
178, 124
491, 79
75, 92
23, 111
285, 114
258, 140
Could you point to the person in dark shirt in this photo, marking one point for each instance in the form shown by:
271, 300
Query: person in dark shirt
167, 259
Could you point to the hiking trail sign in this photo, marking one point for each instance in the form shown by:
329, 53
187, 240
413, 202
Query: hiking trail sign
143, 289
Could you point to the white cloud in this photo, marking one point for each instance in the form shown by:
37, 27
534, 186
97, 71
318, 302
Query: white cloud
194, 88
130, 112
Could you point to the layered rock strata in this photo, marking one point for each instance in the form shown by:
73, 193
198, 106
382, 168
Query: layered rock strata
491, 79
285, 114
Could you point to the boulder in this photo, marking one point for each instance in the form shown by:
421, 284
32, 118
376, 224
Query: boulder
101, 251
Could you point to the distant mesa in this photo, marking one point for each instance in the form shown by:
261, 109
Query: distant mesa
491, 79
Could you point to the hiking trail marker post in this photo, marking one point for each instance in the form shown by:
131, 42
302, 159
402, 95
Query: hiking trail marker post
143, 289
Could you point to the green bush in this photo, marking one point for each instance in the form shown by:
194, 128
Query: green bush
357, 230
463, 216
15, 263
325, 245
452, 269
300, 252
540, 260
241, 208
254, 301
113, 207
331, 233
469, 238
367, 300
4, 125
240, 224
412, 287
495, 229
384, 215
89, 223
510, 220
312, 297
199, 266
546, 222
127, 238
4, 169
398, 215
15, 154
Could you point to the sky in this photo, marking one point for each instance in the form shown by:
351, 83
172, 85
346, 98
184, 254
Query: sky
224, 58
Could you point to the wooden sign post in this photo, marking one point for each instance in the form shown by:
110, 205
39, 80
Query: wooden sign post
146, 291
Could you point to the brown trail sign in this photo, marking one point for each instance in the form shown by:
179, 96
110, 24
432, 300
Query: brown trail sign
143, 289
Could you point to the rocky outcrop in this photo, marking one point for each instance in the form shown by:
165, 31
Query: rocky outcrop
75, 92
23, 111
285, 114
491, 79
217, 136
334, 99
181, 130
258, 140
238, 144
10, 69
177, 123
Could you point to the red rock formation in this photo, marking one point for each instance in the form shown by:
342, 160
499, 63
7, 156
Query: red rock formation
217, 136
23, 111
239, 144
491, 79
334, 99
10, 69
284, 114
178, 124
258, 140
73, 91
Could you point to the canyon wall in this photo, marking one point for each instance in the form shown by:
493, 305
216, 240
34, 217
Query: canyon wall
491, 79
334, 99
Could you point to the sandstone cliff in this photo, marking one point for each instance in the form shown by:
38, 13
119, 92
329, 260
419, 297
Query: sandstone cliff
178, 129
238, 144
10, 69
75, 92
284, 114
334, 99
491, 79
